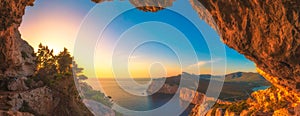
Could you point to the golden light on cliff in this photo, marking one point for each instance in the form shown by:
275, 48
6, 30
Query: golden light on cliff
276, 99
294, 96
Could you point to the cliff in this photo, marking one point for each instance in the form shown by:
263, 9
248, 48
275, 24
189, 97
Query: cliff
62, 99
19, 94
266, 32
16, 55
246, 82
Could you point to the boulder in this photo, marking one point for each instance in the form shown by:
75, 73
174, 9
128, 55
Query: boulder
17, 84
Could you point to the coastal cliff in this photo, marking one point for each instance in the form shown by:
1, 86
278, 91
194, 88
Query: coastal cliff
266, 32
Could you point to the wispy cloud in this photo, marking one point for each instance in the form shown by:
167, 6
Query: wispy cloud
202, 63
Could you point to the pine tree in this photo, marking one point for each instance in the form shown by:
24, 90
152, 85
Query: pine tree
46, 62
64, 61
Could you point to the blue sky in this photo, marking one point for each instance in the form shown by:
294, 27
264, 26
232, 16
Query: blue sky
165, 33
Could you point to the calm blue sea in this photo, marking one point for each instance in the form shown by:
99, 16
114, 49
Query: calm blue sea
127, 100
130, 101
260, 88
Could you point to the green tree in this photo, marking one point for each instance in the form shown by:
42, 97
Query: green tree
46, 62
64, 61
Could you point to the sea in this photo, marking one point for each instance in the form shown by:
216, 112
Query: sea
138, 100
131, 101
260, 88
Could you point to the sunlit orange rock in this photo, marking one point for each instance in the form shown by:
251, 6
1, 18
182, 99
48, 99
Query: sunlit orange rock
265, 31
151, 5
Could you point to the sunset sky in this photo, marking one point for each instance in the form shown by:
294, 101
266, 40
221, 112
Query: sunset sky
56, 22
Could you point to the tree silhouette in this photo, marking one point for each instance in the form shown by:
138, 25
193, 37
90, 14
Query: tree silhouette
54, 70
64, 61
46, 62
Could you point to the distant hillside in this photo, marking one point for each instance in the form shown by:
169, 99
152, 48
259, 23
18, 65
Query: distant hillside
244, 77
236, 86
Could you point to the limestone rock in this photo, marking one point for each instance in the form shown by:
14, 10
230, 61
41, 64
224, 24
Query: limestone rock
201, 110
281, 112
219, 112
151, 5
228, 113
165, 89
209, 113
17, 84
266, 32
41, 100
244, 113
16, 55
195, 111
99, 109
192, 96
14, 113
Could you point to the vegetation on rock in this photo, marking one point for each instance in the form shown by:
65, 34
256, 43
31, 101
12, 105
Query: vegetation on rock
52, 69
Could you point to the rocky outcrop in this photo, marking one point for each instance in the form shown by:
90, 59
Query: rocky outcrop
40, 101
219, 112
266, 32
16, 55
200, 101
151, 5
147, 5
99, 109
273, 100
229, 113
191, 96
14, 113
165, 89
17, 84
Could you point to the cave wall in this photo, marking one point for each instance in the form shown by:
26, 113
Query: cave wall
16, 55
265, 31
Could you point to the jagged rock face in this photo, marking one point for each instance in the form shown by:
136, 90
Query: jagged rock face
165, 88
192, 96
273, 101
266, 32
17, 84
41, 101
11, 113
219, 112
147, 5
151, 5
16, 55
99, 109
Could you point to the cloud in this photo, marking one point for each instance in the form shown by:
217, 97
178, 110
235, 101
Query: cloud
202, 63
